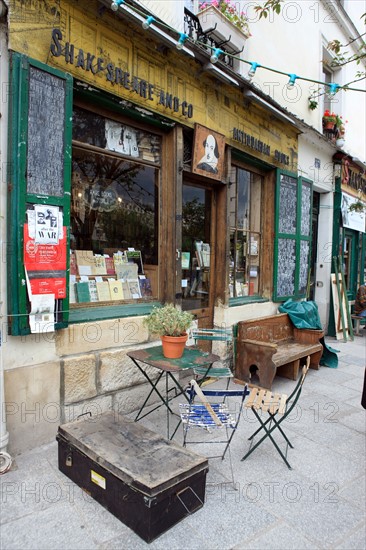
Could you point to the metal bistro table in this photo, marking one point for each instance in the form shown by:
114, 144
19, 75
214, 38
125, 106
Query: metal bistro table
192, 357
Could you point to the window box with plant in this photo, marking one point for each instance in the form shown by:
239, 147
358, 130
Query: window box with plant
171, 324
225, 23
329, 120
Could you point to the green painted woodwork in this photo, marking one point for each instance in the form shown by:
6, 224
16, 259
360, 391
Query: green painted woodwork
241, 300
297, 237
87, 314
18, 305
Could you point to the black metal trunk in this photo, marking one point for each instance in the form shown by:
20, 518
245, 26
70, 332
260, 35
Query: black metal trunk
146, 481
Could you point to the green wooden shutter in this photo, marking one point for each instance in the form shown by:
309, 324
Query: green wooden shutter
292, 236
39, 170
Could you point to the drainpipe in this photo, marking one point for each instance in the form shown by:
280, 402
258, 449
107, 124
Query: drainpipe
4, 78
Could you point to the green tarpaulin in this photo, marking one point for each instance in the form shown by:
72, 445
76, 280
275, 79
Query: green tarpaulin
306, 315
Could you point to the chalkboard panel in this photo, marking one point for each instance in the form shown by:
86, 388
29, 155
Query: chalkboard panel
46, 119
305, 209
304, 266
287, 206
286, 266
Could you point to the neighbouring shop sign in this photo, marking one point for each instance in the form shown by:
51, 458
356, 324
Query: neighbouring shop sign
88, 62
351, 219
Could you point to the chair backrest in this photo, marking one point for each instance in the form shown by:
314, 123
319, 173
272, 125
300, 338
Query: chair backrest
216, 335
212, 334
195, 390
294, 397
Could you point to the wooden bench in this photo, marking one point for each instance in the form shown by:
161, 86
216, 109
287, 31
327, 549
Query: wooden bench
272, 344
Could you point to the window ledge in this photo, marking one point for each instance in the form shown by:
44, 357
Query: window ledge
242, 300
87, 314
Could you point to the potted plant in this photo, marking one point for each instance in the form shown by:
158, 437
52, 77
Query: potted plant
225, 22
171, 324
329, 120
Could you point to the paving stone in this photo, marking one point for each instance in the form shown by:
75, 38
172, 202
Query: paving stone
278, 536
58, 527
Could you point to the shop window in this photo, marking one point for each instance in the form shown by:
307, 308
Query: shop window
245, 233
292, 237
114, 211
81, 183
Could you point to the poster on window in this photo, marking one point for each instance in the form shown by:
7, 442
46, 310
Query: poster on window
208, 153
45, 265
46, 224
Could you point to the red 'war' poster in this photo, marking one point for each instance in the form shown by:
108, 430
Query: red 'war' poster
46, 265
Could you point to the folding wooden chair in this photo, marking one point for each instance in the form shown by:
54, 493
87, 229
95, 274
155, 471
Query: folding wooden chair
212, 416
278, 407
224, 368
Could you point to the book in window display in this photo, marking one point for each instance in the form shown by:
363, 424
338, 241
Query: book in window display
85, 262
134, 286
205, 254
134, 256
198, 245
109, 264
82, 292
73, 265
72, 292
115, 289
119, 258
127, 271
145, 288
100, 267
126, 290
186, 257
93, 290
104, 294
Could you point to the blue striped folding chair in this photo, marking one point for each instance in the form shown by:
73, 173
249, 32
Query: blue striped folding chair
202, 412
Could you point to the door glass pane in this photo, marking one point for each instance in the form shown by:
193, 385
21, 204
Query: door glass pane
196, 247
245, 235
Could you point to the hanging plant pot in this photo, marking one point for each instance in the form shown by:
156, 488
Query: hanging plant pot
340, 142
173, 346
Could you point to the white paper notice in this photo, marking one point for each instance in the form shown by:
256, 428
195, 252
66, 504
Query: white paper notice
31, 215
41, 317
47, 224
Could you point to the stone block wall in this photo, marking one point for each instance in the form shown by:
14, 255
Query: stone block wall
92, 375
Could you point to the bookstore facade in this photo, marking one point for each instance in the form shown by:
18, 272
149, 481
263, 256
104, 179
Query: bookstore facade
135, 179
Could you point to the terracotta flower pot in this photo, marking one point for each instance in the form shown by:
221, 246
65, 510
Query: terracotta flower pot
173, 346
328, 125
